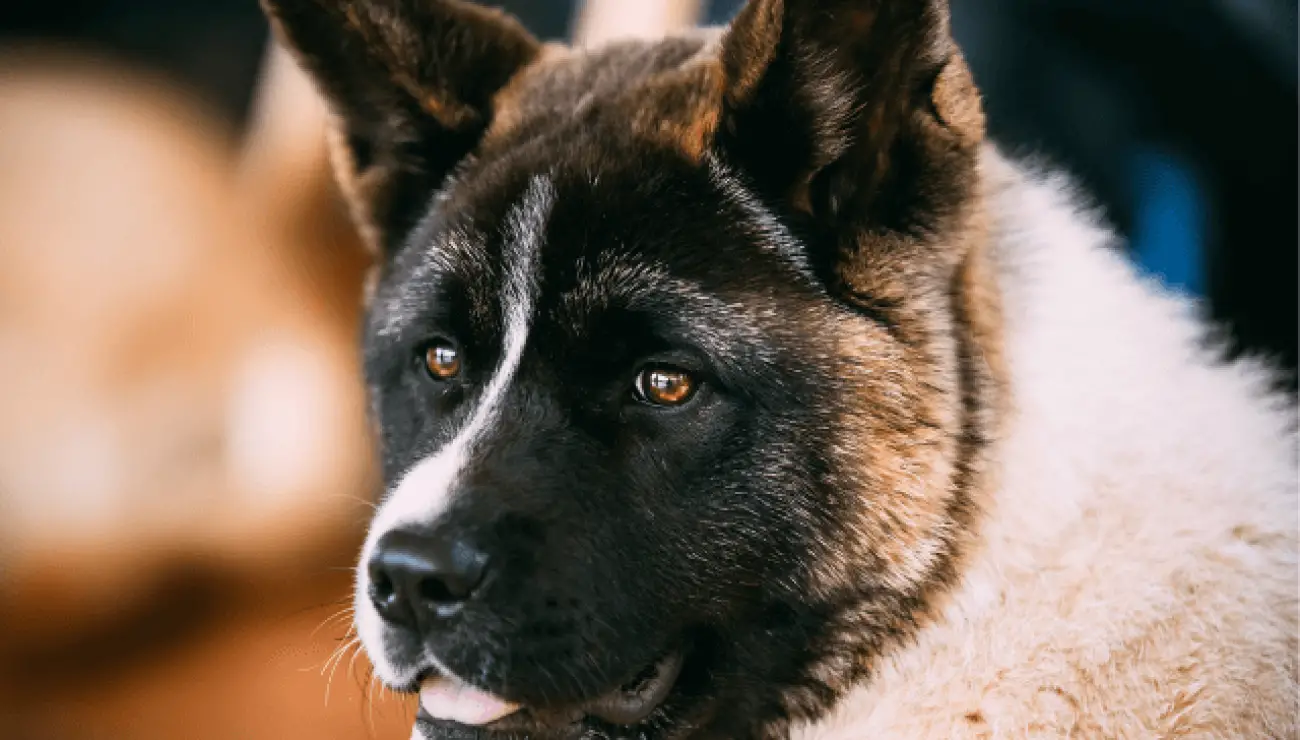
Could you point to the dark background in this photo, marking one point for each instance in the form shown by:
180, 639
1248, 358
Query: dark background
1178, 115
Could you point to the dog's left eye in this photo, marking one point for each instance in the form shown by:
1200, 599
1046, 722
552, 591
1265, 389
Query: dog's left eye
663, 385
442, 360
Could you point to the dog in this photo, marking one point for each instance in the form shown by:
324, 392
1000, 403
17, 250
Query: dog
734, 385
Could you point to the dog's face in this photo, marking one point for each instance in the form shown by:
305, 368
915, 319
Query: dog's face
673, 352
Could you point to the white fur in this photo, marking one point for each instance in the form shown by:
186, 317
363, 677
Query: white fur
1137, 574
426, 491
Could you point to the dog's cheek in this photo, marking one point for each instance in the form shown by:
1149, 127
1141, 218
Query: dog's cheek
762, 523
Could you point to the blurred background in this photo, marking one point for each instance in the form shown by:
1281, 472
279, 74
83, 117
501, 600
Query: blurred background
185, 471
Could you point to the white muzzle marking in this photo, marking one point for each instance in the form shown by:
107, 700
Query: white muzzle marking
427, 489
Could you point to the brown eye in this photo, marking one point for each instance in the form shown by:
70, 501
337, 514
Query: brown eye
442, 361
665, 386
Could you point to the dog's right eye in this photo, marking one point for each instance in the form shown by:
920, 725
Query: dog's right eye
662, 385
442, 360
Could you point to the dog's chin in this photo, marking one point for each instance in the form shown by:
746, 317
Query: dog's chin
450, 710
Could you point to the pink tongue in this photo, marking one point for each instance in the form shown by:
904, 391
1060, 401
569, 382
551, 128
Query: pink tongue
449, 699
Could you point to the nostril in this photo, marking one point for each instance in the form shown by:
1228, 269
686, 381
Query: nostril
381, 588
386, 598
438, 592
447, 590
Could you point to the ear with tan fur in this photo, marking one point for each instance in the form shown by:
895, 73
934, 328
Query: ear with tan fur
858, 113
411, 84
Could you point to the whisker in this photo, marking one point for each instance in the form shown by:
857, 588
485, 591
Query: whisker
355, 642
370, 698
353, 662
344, 613
334, 654
370, 504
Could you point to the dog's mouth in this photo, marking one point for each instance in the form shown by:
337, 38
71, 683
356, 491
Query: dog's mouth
449, 700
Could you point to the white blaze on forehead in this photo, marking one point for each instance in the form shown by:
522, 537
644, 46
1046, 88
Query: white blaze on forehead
426, 490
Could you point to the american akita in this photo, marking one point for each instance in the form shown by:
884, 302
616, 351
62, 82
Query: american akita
733, 386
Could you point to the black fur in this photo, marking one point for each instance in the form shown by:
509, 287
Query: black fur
619, 530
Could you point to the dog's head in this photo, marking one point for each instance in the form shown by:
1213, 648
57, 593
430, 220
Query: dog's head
677, 352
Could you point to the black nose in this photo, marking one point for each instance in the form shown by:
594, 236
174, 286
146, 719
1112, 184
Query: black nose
413, 574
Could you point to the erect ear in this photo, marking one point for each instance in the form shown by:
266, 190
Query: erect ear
411, 85
860, 114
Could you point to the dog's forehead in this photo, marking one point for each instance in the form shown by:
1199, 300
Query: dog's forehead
661, 234
623, 80
617, 217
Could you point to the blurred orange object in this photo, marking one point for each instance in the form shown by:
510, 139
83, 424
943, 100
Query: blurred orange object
183, 448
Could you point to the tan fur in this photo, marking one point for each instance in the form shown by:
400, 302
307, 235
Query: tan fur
360, 190
668, 97
956, 101
662, 114
1139, 586
508, 105
921, 407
